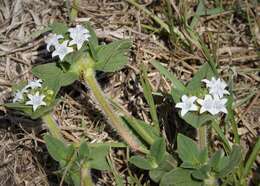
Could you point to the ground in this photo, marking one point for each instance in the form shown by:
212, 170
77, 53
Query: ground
233, 34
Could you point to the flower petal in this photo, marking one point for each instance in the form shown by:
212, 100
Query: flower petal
183, 112
184, 98
179, 105
193, 98
202, 110
194, 108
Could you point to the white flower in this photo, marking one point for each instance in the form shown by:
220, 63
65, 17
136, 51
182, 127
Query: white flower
35, 100
219, 104
206, 104
53, 40
187, 104
18, 96
216, 87
79, 35
34, 84
78, 30
212, 105
62, 50
210, 83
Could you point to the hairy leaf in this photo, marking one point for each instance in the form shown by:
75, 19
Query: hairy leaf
179, 177
158, 150
141, 162
53, 76
187, 150
112, 57
97, 157
59, 28
176, 83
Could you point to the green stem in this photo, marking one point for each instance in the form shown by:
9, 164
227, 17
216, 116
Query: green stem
52, 126
233, 125
141, 131
115, 121
172, 34
154, 17
216, 127
133, 122
74, 10
202, 137
158, 20
85, 177
210, 59
252, 158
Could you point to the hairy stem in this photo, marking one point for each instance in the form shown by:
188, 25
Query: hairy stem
115, 121
202, 137
85, 177
52, 126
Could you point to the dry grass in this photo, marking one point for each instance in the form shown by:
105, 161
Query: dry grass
23, 157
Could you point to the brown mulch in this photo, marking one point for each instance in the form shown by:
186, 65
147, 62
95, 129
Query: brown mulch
23, 156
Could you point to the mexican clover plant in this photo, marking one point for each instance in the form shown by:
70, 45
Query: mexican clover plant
201, 103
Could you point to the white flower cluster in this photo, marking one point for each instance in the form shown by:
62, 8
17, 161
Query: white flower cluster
78, 36
213, 102
35, 99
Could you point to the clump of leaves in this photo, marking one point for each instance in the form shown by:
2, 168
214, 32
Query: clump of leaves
72, 158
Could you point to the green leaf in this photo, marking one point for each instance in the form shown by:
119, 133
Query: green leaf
93, 39
19, 86
18, 106
214, 11
28, 111
215, 159
141, 162
176, 95
57, 149
223, 162
179, 177
75, 176
202, 11
147, 90
197, 120
205, 71
42, 110
203, 156
59, 28
68, 78
53, 76
25, 109
176, 83
187, 150
188, 165
83, 151
201, 173
73, 57
97, 157
167, 165
113, 57
158, 150
143, 130
234, 161
199, 12
252, 157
